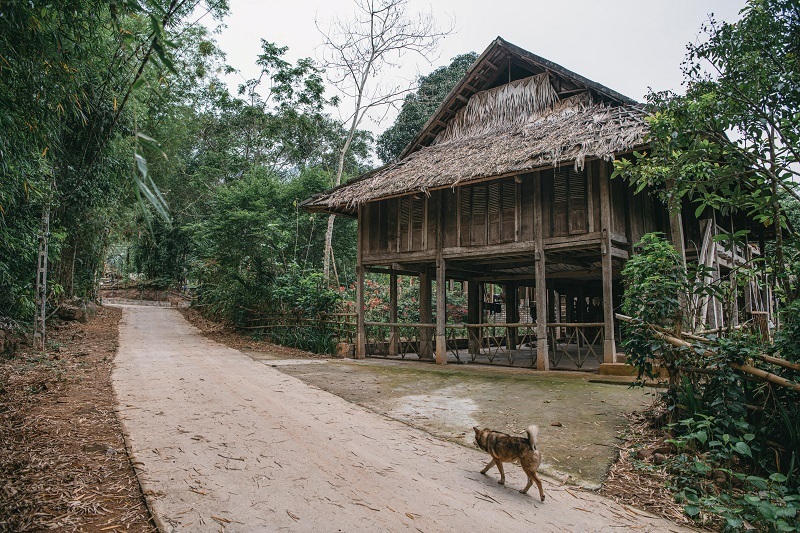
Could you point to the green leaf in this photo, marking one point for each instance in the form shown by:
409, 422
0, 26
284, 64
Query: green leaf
777, 477
138, 84
758, 482
743, 449
701, 436
691, 510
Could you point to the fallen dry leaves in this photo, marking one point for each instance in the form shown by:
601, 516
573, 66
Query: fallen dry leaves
63, 463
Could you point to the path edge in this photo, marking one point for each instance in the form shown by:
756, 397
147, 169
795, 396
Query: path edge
161, 526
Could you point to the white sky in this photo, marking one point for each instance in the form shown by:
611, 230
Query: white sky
627, 45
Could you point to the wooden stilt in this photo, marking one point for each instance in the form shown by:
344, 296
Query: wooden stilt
474, 316
425, 301
512, 315
441, 285
609, 344
393, 334
542, 357
361, 347
441, 312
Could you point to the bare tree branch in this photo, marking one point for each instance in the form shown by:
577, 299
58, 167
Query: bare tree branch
358, 51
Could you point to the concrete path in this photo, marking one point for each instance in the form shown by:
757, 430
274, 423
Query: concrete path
224, 442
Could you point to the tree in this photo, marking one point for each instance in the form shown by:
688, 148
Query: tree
70, 81
420, 105
358, 51
732, 142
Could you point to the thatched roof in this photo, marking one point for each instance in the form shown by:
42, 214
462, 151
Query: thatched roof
512, 128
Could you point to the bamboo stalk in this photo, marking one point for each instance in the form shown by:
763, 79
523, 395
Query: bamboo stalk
767, 358
780, 362
766, 376
747, 369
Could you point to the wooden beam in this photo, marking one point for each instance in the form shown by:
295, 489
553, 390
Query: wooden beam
474, 315
361, 347
393, 335
609, 344
425, 334
400, 271
542, 356
441, 288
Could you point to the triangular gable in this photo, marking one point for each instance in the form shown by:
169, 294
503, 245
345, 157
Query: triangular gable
499, 64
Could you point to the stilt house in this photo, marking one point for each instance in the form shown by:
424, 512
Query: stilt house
508, 183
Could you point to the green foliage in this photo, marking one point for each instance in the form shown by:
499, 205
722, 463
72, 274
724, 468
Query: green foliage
303, 293
420, 105
73, 80
737, 440
732, 142
654, 277
708, 479
787, 340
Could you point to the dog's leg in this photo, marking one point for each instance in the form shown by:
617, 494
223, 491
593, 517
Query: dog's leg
538, 484
530, 471
502, 474
491, 464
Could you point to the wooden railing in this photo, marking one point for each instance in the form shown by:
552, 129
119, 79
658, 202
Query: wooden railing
578, 342
341, 325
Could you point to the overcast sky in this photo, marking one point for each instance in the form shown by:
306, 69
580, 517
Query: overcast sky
627, 45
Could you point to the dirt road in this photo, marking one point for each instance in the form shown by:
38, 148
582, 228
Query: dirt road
225, 442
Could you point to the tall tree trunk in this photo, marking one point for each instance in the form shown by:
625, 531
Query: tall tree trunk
780, 273
327, 255
326, 260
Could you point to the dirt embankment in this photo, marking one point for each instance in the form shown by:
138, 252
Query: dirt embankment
63, 464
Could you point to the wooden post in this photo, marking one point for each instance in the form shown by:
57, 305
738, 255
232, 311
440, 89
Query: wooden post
425, 334
361, 340
441, 312
551, 302
542, 357
609, 344
512, 315
441, 286
393, 338
473, 316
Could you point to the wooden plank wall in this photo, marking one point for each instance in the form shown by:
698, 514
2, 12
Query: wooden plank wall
502, 211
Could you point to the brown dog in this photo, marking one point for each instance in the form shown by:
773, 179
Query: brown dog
505, 448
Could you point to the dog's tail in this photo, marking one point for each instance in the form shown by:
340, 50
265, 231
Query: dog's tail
533, 434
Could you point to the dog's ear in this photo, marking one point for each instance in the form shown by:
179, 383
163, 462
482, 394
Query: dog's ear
477, 430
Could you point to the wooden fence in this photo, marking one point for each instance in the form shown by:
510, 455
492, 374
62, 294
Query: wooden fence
506, 342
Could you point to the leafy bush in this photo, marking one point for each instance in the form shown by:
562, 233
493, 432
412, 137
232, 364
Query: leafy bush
654, 278
737, 440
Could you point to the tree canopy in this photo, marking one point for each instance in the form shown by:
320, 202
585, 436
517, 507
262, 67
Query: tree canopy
419, 105
732, 142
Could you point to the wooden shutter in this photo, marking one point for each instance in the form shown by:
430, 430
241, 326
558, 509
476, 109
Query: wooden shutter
493, 211
383, 227
391, 215
479, 194
509, 211
466, 215
578, 219
417, 223
405, 212
560, 201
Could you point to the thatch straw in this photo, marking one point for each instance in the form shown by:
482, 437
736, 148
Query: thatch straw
514, 128
501, 109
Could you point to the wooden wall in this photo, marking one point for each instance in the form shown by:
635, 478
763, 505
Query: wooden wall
501, 211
